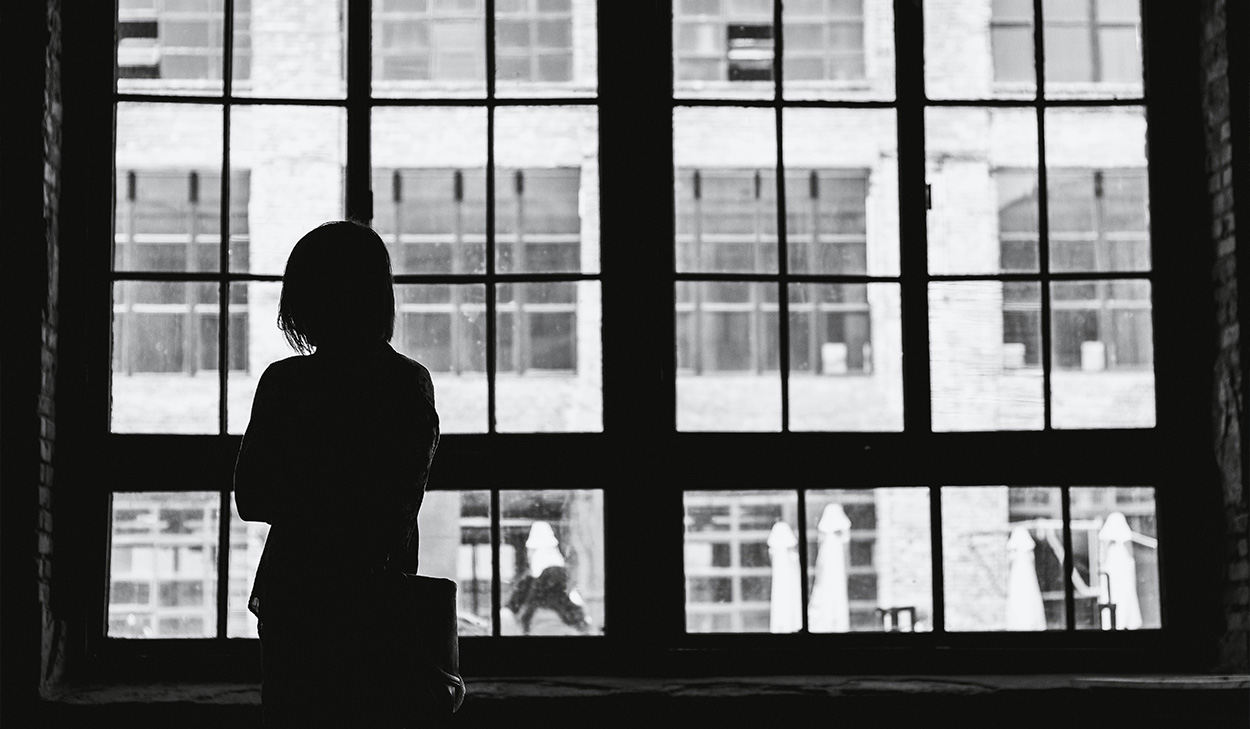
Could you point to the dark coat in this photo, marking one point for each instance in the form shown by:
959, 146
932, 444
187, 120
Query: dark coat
336, 459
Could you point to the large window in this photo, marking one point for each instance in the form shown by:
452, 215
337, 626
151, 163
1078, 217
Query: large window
888, 358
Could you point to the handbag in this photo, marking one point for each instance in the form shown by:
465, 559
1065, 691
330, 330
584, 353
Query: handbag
421, 641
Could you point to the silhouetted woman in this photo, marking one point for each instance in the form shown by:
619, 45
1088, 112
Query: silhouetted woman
336, 459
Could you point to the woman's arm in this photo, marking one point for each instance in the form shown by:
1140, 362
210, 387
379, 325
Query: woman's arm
258, 471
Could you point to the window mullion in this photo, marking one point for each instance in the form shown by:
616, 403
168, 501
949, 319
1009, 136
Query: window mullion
359, 197
914, 253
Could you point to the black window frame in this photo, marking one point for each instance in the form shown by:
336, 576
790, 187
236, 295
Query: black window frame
646, 611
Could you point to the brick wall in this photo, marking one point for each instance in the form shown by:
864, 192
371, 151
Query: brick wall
1225, 141
52, 633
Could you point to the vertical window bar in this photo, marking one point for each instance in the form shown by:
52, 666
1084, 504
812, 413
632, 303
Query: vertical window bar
520, 323
358, 193
496, 587
397, 225
696, 289
783, 302
190, 331
935, 548
223, 312
804, 595
1069, 590
1043, 208
457, 265
491, 299
913, 236
128, 261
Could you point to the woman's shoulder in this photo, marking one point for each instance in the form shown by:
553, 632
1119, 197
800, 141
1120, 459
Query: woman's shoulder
412, 371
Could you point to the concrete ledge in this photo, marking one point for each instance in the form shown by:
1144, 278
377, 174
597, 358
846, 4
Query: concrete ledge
1022, 701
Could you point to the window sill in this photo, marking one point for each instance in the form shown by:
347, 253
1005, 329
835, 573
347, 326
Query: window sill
1087, 700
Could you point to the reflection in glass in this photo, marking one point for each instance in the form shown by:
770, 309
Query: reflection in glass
845, 357
727, 362
163, 565
741, 562
725, 189
551, 562
294, 157
984, 355
546, 189
165, 357
869, 564
1102, 354
443, 326
1115, 558
1002, 555
549, 357
982, 174
454, 528
255, 343
429, 198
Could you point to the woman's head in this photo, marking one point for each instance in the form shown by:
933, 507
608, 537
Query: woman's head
337, 288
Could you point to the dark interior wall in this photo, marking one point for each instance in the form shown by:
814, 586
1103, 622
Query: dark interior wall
31, 638
1226, 107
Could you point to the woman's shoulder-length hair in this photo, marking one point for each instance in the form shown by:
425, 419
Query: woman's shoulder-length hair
337, 288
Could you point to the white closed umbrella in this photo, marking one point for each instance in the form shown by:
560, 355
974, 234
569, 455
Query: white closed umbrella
1119, 587
785, 613
830, 607
542, 548
1025, 610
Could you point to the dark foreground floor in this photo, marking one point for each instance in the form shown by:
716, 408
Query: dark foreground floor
1001, 702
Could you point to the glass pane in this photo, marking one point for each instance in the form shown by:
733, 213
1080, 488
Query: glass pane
846, 357
429, 49
443, 327
1002, 558
982, 174
727, 364
974, 54
841, 191
838, 50
554, 546
546, 190
549, 357
869, 560
1093, 49
1096, 179
293, 158
429, 188
255, 342
984, 361
454, 529
292, 50
247, 542
547, 49
723, 49
163, 565
168, 188
1115, 556
164, 357
742, 562
170, 48
725, 164
1102, 354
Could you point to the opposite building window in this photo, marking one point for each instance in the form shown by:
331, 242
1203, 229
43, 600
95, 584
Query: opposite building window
433, 222
442, 40
169, 221
1098, 222
732, 40
1087, 41
727, 222
179, 39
